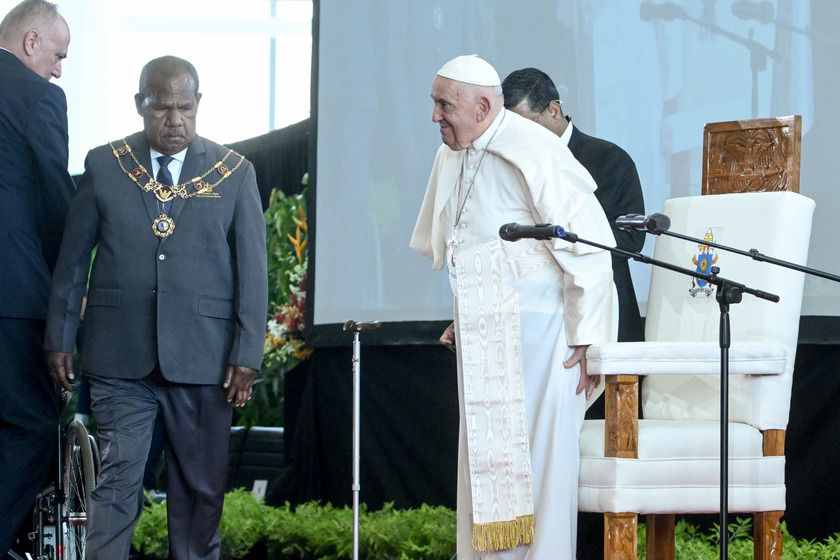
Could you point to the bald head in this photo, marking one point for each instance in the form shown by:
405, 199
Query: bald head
36, 33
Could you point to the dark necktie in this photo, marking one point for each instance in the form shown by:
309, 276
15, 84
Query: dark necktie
164, 177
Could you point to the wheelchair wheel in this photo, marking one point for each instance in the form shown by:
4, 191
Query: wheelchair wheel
79, 481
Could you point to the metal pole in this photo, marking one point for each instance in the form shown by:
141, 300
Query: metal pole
724, 431
356, 328
356, 429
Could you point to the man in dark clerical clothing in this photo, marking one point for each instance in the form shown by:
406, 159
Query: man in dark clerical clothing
532, 94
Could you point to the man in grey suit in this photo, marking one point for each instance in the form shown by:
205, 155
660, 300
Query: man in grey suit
176, 310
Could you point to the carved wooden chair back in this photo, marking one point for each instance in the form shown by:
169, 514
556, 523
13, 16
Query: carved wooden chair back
756, 155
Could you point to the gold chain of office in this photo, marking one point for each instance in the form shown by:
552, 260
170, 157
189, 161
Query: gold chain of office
165, 193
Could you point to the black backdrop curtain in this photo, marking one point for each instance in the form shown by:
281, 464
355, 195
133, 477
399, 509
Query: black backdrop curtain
280, 158
408, 418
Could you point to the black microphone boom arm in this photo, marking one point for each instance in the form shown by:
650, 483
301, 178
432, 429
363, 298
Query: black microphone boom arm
514, 231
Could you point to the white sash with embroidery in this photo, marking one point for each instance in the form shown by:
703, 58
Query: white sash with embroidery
494, 396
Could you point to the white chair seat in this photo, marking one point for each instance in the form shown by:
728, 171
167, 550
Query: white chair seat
678, 469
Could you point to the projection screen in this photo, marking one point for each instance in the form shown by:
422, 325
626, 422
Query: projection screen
645, 75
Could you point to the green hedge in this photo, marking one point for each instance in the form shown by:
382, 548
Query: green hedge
252, 530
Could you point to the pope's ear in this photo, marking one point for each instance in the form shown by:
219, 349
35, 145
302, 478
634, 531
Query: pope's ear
484, 106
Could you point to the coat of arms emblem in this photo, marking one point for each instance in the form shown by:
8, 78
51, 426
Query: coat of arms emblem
703, 260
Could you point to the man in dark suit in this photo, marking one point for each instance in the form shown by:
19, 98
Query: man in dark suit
531, 93
175, 315
35, 191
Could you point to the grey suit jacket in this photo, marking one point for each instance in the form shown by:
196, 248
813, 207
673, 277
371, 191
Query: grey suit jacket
193, 302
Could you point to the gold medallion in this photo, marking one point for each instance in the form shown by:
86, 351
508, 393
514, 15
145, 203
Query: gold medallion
163, 226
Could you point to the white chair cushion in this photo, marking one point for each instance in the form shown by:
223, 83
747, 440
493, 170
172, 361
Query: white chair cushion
684, 358
678, 470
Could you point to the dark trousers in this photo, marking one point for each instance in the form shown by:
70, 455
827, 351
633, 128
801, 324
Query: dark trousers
197, 421
28, 423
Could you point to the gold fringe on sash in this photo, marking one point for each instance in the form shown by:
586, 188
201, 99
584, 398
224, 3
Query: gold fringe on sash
503, 535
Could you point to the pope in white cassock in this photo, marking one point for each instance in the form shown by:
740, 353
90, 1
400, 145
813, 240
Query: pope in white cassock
525, 311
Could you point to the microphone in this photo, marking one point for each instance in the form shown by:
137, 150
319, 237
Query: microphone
759, 11
353, 326
514, 232
668, 11
654, 223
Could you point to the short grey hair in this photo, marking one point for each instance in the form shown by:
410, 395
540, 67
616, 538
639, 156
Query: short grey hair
28, 15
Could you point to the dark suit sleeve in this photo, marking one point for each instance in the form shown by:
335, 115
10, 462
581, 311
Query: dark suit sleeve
47, 133
71, 272
247, 241
620, 192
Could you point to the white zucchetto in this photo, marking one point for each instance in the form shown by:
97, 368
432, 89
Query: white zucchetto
470, 69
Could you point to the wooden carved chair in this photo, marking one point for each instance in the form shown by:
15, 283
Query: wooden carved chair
669, 462
756, 155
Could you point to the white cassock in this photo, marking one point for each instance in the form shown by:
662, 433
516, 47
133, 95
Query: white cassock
562, 292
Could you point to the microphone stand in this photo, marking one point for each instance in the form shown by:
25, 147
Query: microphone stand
725, 300
727, 293
758, 52
756, 256
769, 17
356, 328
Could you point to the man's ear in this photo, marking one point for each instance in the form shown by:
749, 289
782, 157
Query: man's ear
138, 103
31, 42
555, 111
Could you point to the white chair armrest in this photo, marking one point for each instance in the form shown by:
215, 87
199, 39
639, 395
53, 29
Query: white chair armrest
684, 358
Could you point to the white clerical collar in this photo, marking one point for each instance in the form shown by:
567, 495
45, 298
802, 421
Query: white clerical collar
482, 141
567, 134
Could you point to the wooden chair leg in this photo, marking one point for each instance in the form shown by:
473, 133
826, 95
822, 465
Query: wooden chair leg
620, 535
660, 536
767, 535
